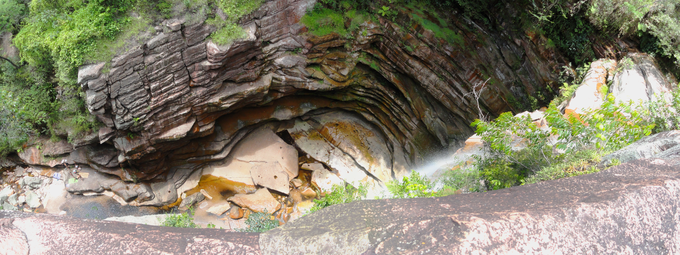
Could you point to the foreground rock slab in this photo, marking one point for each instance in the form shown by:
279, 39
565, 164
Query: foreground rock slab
47, 234
628, 209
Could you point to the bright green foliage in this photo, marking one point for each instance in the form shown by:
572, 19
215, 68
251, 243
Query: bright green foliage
55, 38
609, 128
386, 11
182, 220
260, 222
229, 30
582, 140
324, 21
412, 186
341, 194
52, 35
505, 166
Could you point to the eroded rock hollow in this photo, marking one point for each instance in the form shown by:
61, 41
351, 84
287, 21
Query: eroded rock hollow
368, 108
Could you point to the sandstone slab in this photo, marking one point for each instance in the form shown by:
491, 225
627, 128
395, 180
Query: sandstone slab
259, 201
271, 175
219, 209
262, 145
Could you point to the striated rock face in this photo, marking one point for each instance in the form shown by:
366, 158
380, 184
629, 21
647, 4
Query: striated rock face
369, 108
628, 209
640, 80
665, 145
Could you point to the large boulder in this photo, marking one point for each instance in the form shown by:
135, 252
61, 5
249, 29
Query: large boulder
664, 145
639, 79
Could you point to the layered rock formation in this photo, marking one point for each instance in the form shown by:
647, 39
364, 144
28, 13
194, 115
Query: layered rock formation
369, 107
628, 209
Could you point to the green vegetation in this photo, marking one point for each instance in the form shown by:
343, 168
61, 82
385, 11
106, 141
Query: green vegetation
322, 21
11, 13
182, 220
340, 194
573, 145
573, 36
327, 16
440, 32
663, 112
26, 106
260, 222
228, 29
53, 35
659, 18
415, 185
39, 94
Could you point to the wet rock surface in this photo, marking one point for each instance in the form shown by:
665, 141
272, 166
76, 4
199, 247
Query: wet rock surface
629, 208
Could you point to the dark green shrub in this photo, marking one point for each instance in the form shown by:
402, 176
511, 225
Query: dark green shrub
659, 18
11, 14
27, 106
260, 222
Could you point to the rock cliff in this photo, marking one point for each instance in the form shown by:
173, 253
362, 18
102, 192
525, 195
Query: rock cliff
370, 107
